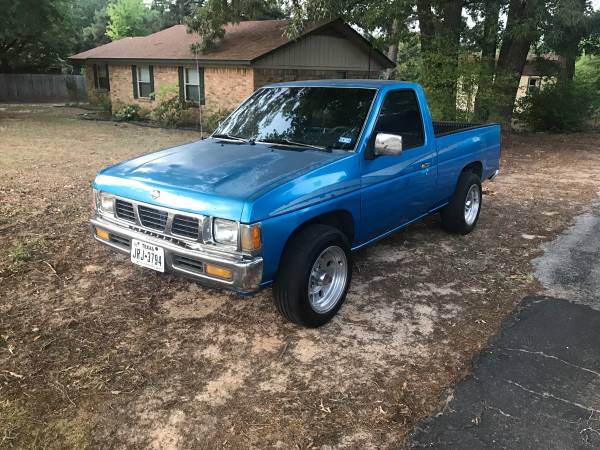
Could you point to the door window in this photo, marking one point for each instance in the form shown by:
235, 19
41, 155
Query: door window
400, 115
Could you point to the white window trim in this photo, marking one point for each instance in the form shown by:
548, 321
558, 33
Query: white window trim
139, 81
186, 84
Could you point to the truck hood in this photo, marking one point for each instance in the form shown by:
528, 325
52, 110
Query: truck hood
210, 177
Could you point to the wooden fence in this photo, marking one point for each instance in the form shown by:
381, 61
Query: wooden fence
42, 88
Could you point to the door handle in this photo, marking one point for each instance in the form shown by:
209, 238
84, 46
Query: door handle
425, 165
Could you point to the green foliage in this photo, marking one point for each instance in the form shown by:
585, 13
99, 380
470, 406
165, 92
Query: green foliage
19, 255
103, 102
587, 70
34, 34
169, 107
128, 113
560, 107
173, 12
211, 121
129, 18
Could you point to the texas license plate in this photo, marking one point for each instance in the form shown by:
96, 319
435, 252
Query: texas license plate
147, 255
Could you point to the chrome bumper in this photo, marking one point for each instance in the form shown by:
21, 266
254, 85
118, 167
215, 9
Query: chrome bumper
246, 273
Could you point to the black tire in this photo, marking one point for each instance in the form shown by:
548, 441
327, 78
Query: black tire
290, 290
453, 215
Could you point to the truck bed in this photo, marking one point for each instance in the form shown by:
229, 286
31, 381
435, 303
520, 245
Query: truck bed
443, 128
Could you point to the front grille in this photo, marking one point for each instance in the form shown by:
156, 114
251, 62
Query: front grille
118, 240
124, 210
186, 226
152, 218
184, 262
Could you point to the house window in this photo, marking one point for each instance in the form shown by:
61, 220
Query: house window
101, 76
533, 83
144, 84
194, 85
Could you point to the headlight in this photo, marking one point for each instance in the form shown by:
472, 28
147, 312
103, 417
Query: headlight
94, 199
106, 204
225, 232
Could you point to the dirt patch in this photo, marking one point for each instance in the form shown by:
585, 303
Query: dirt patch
95, 352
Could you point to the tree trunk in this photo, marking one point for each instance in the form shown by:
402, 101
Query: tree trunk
488, 59
392, 52
449, 48
440, 54
521, 30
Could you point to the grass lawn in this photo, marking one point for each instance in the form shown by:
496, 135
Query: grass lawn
95, 352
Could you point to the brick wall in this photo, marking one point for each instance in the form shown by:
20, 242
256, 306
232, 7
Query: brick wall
121, 87
266, 76
226, 87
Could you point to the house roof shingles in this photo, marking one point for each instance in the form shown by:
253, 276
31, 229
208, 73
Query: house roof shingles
245, 41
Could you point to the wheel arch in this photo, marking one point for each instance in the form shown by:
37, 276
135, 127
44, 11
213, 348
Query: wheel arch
475, 167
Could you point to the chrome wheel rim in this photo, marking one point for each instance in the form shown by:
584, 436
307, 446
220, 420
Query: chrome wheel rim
472, 204
327, 279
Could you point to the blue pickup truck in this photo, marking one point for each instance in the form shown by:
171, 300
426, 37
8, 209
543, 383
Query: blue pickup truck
294, 180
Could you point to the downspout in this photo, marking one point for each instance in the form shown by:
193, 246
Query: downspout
369, 73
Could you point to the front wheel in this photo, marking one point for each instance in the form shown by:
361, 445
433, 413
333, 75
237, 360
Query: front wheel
314, 276
462, 213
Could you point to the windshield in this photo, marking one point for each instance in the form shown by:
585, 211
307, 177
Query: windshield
322, 117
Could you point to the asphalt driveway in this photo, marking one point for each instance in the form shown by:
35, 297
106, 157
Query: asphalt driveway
538, 384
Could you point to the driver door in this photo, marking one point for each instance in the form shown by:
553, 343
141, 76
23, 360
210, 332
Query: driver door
397, 189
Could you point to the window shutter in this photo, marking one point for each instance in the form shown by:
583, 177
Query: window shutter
107, 79
181, 84
201, 81
151, 72
95, 69
134, 81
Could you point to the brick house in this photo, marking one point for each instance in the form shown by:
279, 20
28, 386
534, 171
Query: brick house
251, 54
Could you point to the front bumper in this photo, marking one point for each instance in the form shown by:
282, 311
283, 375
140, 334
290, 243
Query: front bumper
246, 272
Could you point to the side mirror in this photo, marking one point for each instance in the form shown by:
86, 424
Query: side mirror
388, 144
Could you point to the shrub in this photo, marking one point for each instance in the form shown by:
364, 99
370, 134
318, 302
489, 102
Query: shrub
211, 121
560, 107
127, 113
169, 108
103, 102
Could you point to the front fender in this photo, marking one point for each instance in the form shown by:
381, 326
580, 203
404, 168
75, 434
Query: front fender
276, 231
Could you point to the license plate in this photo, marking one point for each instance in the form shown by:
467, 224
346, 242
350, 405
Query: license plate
147, 255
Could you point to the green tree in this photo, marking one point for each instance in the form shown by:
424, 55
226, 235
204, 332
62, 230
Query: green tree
129, 18
90, 20
35, 34
173, 12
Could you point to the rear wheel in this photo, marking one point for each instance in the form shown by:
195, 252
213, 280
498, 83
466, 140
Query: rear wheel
462, 214
314, 276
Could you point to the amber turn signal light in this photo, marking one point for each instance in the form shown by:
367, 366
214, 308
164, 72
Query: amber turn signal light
102, 234
217, 271
251, 238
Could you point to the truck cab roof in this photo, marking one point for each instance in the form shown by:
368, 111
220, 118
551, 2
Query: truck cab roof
345, 83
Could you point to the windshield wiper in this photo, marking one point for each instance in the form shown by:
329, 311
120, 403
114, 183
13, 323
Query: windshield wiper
231, 137
284, 141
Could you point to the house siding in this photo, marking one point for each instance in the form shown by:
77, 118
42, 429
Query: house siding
327, 50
